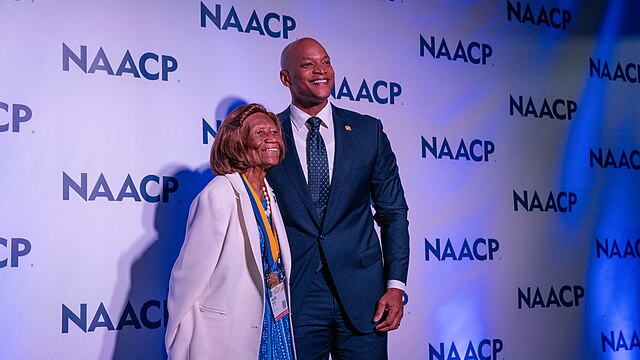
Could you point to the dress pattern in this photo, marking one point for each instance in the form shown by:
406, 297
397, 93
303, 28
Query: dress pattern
275, 342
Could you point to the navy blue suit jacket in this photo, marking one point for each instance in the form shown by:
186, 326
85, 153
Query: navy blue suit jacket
364, 170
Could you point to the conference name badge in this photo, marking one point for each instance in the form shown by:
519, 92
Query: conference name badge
278, 300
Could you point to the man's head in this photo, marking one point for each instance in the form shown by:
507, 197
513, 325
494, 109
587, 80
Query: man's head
306, 70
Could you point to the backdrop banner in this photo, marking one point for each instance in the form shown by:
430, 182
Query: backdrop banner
515, 125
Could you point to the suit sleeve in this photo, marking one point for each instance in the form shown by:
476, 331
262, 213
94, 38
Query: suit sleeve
206, 231
390, 210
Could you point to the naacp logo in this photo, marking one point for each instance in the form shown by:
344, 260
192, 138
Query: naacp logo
615, 159
18, 114
151, 315
381, 92
560, 109
272, 24
480, 249
208, 131
149, 65
618, 341
15, 249
474, 52
621, 72
477, 150
554, 18
614, 249
561, 202
566, 296
131, 189
485, 349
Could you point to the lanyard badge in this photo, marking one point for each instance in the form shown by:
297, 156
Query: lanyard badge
275, 283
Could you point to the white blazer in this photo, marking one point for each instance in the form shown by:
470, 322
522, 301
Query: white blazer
216, 292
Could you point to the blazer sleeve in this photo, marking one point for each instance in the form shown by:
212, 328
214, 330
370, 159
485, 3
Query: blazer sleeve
207, 227
390, 210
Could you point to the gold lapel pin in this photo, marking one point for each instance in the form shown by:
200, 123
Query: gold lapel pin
347, 127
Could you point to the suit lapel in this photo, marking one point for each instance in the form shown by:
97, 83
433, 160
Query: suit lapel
341, 163
250, 227
292, 167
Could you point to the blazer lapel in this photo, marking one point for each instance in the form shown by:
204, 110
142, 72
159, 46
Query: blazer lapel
292, 167
250, 228
341, 164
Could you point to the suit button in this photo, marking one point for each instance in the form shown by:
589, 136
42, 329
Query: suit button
322, 237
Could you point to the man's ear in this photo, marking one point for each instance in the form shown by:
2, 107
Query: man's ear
284, 78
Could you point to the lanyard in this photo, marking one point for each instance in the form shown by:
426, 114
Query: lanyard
272, 245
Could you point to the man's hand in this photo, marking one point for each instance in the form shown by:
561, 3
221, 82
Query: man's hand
389, 308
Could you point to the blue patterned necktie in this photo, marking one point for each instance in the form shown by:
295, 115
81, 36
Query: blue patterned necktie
318, 167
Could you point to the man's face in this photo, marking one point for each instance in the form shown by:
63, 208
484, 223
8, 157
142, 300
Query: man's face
308, 74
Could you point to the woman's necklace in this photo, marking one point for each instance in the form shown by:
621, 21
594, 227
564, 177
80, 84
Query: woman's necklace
267, 211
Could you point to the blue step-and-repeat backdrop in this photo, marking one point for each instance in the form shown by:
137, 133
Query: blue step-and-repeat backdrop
515, 124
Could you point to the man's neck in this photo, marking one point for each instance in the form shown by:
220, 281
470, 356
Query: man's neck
312, 110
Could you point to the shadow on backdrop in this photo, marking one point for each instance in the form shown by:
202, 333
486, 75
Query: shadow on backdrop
142, 337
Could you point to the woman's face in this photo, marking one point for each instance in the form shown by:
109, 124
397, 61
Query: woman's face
264, 141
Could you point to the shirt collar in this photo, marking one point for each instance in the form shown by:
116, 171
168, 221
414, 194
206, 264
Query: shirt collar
299, 117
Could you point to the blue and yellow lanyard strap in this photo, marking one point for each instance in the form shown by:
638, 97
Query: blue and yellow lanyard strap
272, 246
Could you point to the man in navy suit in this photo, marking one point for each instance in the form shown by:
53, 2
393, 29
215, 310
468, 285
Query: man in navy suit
346, 284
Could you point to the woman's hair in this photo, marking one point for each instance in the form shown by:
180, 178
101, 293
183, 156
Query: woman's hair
229, 152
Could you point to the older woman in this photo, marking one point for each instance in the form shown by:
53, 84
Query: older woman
228, 294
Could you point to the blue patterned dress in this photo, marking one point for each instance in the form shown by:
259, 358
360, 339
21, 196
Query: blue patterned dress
275, 342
